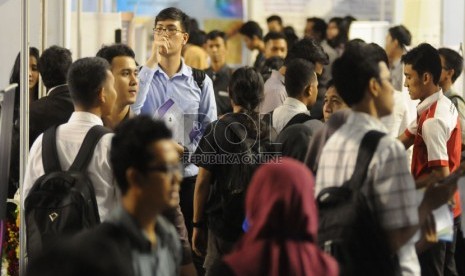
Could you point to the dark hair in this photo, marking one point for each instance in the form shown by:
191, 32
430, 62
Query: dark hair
176, 15
272, 63
343, 25
197, 37
378, 53
53, 65
215, 33
251, 29
116, 50
319, 26
424, 59
353, 71
130, 147
246, 90
194, 24
299, 75
401, 34
308, 49
275, 17
453, 60
291, 37
273, 36
86, 76
15, 76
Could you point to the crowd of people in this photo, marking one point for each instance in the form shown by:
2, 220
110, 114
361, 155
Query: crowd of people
215, 170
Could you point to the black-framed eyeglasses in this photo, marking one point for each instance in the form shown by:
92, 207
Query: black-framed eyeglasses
168, 168
170, 30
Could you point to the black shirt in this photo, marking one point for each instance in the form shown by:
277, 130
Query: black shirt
220, 86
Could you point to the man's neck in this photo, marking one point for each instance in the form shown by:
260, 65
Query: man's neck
282, 70
95, 110
117, 116
145, 218
216, 66
260, 46
446, 86
171, 64
366, 106
430, 91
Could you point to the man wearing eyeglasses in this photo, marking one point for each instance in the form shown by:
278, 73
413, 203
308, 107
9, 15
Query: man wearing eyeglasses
169, 91
146, 166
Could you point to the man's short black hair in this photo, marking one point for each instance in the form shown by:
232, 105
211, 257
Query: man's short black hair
176, 15
275, 17
116, 50
319, 26
130, 147
251, 29
453, 60
424, 59
300, 73
216, 33
379, 54
308, 49
273, 36
53, 65
86, 76
353, 71
401, 34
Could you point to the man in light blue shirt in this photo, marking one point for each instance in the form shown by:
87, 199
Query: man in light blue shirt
168, 90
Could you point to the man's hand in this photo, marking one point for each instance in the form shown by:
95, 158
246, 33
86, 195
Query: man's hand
199, 243
160, 45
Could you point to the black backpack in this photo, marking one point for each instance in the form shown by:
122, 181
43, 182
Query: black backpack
298, 118
199, 77
348, 229
61, 202
227, 212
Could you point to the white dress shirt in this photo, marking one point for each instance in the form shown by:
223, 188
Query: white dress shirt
284, 113
69, 140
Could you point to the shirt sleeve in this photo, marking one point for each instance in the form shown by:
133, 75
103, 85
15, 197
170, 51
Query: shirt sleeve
34, 168
394, 187
207, 147
145, 79
412, 128
435, 135
207, 113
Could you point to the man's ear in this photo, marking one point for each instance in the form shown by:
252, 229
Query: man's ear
427, 77
101, 95
373, 87
133, 177
308, 91
185, 38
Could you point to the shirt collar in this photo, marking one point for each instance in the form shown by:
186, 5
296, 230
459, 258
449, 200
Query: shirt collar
277, 75
426, 103
55, 88
121, 217
184, 71
296, 104
365, 120
81, 116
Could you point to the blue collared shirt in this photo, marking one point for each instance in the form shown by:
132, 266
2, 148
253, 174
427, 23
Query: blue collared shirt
179, 101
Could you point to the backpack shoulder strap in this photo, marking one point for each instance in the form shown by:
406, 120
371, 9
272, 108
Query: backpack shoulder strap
199, 77
457, 96
49, 151
298, 119
240, 132
365, 153
87, 148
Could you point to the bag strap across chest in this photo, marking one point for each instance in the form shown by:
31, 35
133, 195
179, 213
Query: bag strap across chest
50, 159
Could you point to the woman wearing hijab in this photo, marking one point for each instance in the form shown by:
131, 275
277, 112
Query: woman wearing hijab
283, 224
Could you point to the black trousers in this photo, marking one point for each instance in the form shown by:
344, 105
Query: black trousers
186, 195
432, 260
